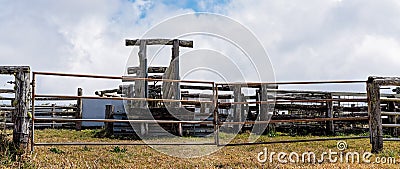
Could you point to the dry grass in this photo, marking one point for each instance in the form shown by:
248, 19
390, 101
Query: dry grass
146, 157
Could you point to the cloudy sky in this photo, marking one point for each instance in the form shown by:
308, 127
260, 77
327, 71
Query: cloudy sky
305, 40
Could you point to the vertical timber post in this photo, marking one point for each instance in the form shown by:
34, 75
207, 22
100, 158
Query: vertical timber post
53, 114
78, 113
237, 93
329, 114
109, 114
374, 113
263, 109
216, 114
21, 123
141, 85
175, 75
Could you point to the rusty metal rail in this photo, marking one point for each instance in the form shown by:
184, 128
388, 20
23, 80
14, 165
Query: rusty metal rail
216, 122
299, 120
121, 121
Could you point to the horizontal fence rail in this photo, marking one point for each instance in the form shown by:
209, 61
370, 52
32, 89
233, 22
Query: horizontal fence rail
215, 105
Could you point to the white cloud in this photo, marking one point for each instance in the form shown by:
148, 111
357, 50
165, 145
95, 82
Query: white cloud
306, 40
312, 40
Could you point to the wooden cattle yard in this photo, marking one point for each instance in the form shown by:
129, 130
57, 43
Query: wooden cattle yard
158, 103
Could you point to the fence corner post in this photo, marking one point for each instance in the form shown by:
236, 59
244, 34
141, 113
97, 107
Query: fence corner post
374, 113
21, 104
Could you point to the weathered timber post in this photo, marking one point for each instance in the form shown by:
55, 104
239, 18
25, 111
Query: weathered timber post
21, 104
141, 85
78, 112
374, 113
175, 75
53, 114
237, 114
2, 119
330, 128
170, 90
263, 109
374, 108
109, 114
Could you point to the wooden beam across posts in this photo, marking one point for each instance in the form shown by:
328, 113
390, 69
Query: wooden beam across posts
78, 112
14, 69
134, 70
136, 42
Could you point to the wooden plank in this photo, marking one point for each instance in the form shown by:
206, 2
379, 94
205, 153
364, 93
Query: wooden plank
7, 91
14, 69
6, 98
136, 42
391, 125
386, 81
391, 113
133, 70
199, 95
390, 100
299, 107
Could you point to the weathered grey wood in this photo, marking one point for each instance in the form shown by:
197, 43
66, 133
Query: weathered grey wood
143, 67
14, 69
53, 114
392, 118
263, 110
166, 86
244, 108
7, 91
330, 129
109, 126
375, 120
136, 42
237, 116
180, 130
78, 113
134, 70
175, 75
141, 85
21, 103
202, 107
387, 81
2, 119
198, 95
